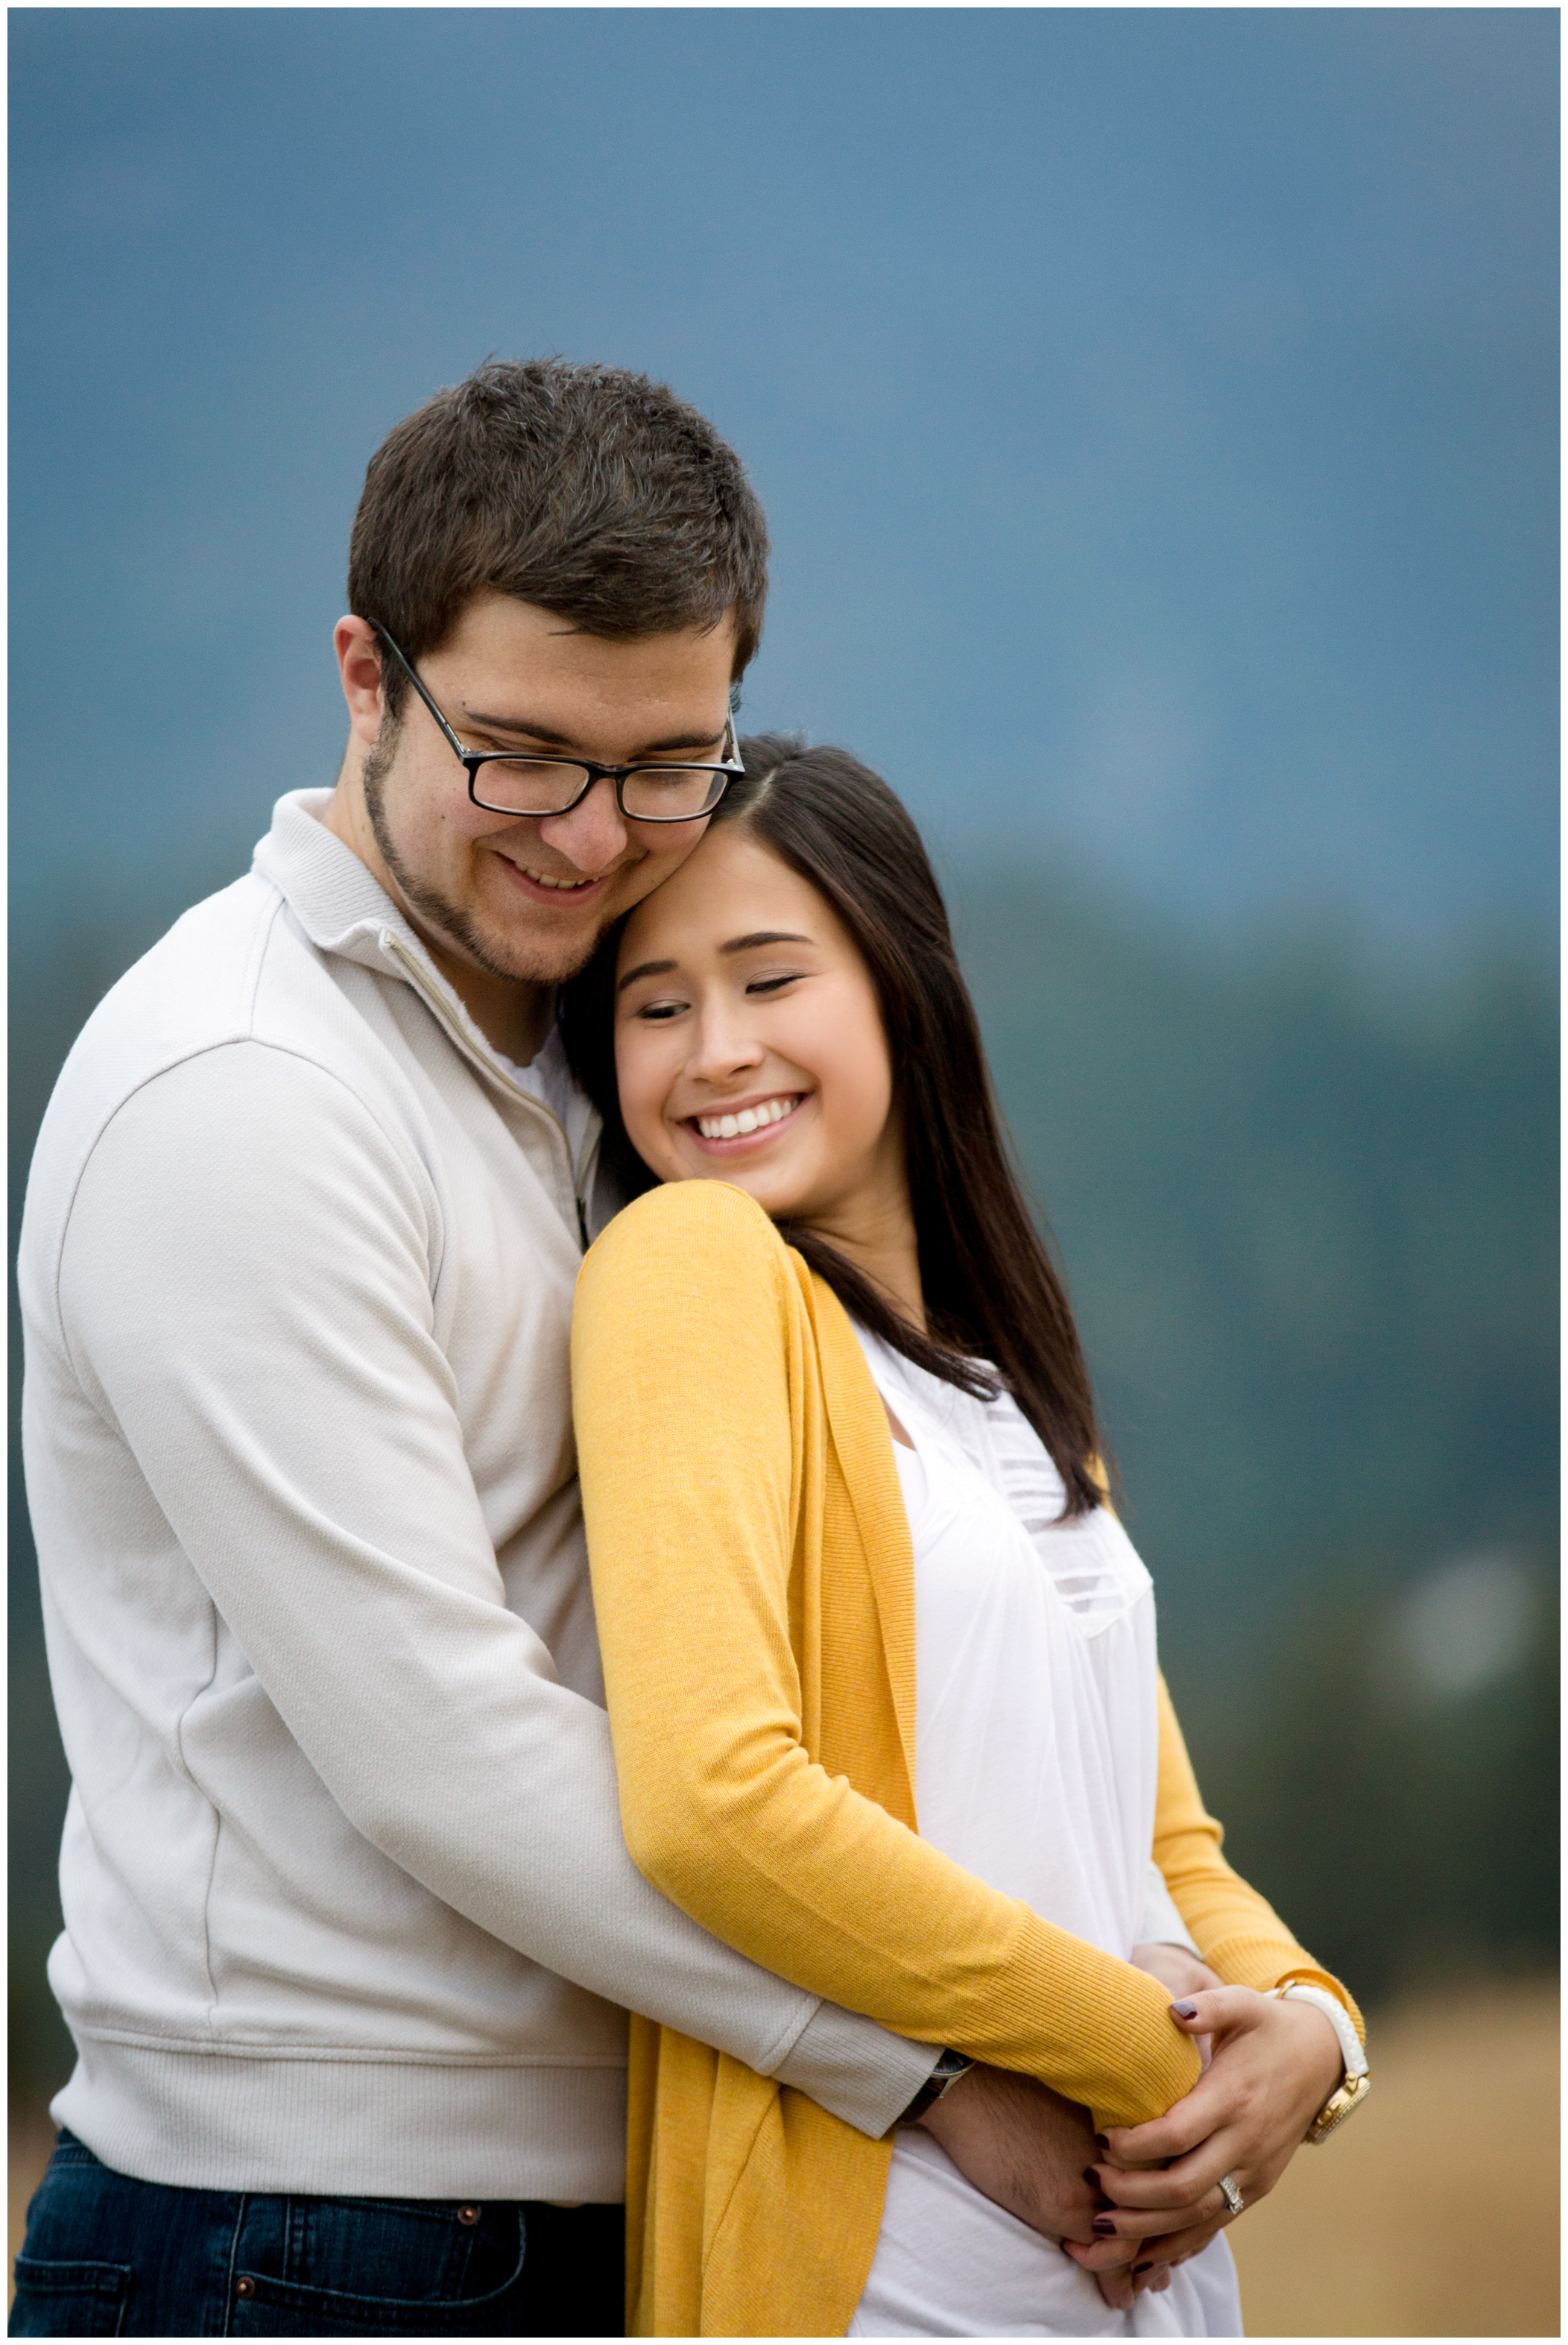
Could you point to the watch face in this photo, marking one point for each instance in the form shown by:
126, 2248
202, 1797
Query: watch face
1341, 2105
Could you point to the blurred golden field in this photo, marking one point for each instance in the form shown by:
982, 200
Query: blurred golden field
1434, 2214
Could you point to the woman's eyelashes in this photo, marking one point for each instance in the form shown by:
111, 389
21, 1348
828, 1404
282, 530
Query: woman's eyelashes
659, 1011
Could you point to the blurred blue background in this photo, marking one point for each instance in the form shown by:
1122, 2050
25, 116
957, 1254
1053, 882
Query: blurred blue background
1156, 412
1154, 409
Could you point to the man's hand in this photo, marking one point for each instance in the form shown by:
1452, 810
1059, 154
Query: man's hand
1022, 2146
1030, 2150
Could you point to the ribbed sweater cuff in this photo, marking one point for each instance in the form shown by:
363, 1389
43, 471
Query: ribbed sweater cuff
856, 2069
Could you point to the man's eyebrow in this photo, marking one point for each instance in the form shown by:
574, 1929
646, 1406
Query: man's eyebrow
643, 968
763, 936
482, 722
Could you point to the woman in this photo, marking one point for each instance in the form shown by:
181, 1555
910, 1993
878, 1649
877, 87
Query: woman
852, 1567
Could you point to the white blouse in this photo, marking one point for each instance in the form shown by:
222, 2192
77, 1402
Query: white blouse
1035, 1763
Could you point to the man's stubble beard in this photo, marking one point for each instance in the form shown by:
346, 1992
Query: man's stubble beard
450, 921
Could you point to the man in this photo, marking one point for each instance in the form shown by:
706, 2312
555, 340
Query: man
350, 1927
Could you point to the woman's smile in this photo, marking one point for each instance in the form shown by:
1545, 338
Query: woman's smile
741, 1126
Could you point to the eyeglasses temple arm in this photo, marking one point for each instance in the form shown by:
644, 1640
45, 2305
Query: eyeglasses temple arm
407, 666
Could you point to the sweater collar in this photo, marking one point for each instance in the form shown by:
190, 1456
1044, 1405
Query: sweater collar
341, 907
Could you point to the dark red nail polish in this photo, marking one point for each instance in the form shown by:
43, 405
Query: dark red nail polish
1185, 2010
1103, 2224
1092, 2176
1101, 2143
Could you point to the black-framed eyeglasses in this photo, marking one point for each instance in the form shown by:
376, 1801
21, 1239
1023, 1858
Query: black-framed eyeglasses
547, 786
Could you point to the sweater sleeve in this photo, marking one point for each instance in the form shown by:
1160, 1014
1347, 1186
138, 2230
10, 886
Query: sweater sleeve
685, 1404
1237, 1932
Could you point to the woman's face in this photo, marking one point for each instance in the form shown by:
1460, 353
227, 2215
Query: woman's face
749, 1046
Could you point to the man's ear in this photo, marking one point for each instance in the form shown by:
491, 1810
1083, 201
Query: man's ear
359, 668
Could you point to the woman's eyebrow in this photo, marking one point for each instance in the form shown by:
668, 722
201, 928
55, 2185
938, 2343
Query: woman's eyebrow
643, 968
763, 936
735, 945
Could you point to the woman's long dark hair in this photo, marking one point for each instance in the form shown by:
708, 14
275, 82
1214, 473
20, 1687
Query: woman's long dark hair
991, 1293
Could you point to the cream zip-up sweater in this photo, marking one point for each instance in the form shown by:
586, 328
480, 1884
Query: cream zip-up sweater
348, 1907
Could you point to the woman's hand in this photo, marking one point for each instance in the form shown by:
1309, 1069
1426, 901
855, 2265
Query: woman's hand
1180, 1970
1175, 1967
1247, 2115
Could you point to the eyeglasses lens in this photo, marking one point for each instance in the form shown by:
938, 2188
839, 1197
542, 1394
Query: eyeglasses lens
669, 791
538, 786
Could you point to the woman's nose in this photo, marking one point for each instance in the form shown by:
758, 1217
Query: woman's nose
724, 1046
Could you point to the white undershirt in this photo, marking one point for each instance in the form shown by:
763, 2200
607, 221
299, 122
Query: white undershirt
1036, 1755
548, 1079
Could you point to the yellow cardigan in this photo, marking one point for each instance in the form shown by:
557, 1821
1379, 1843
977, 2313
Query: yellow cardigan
754, 1583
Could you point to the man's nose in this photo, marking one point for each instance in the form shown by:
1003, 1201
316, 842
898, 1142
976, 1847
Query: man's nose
591, 835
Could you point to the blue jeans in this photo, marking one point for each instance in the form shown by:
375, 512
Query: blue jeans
105, 2256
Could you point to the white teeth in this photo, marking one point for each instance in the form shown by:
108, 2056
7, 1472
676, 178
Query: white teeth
543, 879
750, 1119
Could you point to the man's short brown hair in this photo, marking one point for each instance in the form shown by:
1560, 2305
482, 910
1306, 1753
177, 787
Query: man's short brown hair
593, 493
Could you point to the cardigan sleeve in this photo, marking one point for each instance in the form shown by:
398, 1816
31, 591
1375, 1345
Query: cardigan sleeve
689, 1443
1238, 1932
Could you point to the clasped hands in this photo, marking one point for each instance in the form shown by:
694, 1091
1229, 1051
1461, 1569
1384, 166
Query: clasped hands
1131, 2205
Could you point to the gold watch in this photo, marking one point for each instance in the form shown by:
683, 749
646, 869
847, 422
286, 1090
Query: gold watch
1337, 2109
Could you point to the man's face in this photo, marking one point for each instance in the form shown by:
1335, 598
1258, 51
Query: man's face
527, 897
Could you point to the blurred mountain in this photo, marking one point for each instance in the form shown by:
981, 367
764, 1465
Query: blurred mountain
1307, 1208
1404, 1817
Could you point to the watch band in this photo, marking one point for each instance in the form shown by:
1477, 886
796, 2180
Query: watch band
1356, 2084
949, 2067
1337, 2017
